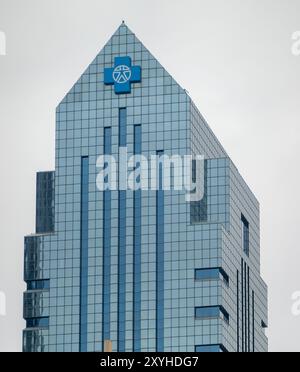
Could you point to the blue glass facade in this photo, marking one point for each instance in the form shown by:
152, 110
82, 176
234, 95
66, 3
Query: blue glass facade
143, 269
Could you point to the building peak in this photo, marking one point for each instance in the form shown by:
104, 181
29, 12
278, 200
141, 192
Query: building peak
123, 26
123, 23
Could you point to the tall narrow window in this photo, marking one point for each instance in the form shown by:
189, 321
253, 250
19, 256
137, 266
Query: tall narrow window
199, 209
106, 306
246, 235
137, 250
160, 262
122, 242
84, 221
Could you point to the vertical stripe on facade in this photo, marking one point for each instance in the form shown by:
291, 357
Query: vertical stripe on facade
253, 321
106, 306
137, 236
160, 261
246, 321
243, 306
238, 309
84, 218
122, 242
248, 291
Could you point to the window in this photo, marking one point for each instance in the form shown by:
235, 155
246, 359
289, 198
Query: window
122, 127
37, 322
246, 237
213, 312
38, 284
212, 274
211, 349
199, 209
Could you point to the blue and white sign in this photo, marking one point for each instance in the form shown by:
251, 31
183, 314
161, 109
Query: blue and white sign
122, 75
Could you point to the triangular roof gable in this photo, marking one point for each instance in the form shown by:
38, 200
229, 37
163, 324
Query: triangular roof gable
124, 43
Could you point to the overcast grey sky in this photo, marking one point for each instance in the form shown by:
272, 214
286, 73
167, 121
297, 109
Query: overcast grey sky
235, 59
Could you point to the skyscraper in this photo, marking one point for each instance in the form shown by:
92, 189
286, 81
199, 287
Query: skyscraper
140, 270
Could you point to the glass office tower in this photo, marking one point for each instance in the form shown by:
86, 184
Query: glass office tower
140, 270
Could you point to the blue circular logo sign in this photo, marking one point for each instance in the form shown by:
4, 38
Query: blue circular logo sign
122, 74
